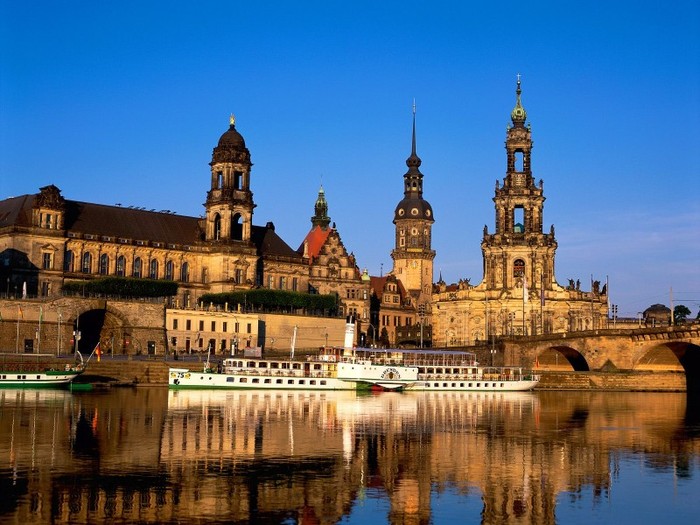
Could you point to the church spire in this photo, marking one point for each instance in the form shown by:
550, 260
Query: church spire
413, 161
518, 115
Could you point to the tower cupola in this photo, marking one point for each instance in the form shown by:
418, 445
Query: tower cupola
321, 217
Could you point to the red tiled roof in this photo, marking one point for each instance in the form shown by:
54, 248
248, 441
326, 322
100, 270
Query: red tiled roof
315, 239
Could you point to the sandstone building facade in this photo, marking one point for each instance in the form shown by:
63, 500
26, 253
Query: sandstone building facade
46, 239
519, 294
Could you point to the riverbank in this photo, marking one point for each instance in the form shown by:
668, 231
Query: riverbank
153, 371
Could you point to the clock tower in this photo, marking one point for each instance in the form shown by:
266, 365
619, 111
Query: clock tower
413, 218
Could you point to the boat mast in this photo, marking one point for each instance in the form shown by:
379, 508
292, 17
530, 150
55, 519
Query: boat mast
294, 342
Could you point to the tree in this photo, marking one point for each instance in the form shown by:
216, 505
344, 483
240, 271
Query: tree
680, 313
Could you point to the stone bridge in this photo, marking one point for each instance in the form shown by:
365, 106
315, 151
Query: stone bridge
663, 349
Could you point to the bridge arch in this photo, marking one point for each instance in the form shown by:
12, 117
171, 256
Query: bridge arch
674, 356
562, 357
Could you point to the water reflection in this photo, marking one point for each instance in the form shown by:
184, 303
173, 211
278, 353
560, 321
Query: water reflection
152, 455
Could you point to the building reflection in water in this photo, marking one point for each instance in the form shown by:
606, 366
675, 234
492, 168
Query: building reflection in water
153, 455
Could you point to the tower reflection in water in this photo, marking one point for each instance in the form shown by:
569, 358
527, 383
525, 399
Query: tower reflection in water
153, 455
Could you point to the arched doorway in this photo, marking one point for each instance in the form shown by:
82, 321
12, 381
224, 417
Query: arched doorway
103, 326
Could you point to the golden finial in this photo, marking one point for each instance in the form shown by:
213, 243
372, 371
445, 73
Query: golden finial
232, 120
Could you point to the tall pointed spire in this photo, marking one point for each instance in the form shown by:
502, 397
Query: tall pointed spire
414, 160
518, 115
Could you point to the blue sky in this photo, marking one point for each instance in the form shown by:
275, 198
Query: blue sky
123, 102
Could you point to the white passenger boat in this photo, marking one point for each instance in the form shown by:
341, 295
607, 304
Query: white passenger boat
454, 370
331, 369
360, 368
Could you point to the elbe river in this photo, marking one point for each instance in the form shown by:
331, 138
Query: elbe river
150, 455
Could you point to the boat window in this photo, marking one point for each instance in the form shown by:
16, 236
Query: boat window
501, 385
437, 385
290, 381
230, 379
243, 380
302, 382
478, 385
256, 380
274, 365
251, 364
317, 367
323, 381
296, 366
262, 364
278, 381
470, 385
267, 380
285, 365
312, 382
461, 385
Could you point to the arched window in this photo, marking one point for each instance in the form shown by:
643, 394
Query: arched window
185, 272
104, 264
68, 261
217, 227
153, 269
518, 268
519, 165
169, 270
236, 227
86, 266
137, 267
121, 266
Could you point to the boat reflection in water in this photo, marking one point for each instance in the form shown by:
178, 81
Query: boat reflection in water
154, 455
313, 454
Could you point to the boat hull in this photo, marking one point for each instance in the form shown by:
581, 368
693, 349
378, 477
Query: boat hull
38, 379
180, 378
188, 379
478, 385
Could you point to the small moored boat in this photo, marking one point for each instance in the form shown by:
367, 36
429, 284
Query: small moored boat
35, 378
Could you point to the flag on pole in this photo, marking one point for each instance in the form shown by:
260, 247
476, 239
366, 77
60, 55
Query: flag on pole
524, 290
98, 352
19, 311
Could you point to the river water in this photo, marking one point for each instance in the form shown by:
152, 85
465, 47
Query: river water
149, 455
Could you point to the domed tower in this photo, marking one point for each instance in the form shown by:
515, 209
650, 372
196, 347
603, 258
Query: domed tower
321, 217
229, 205
519, 251
413, 217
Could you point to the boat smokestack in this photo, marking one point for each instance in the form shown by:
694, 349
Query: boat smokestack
349, 332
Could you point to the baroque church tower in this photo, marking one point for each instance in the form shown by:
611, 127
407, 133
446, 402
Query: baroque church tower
519, 253
229, 205
413, 217
519, 294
